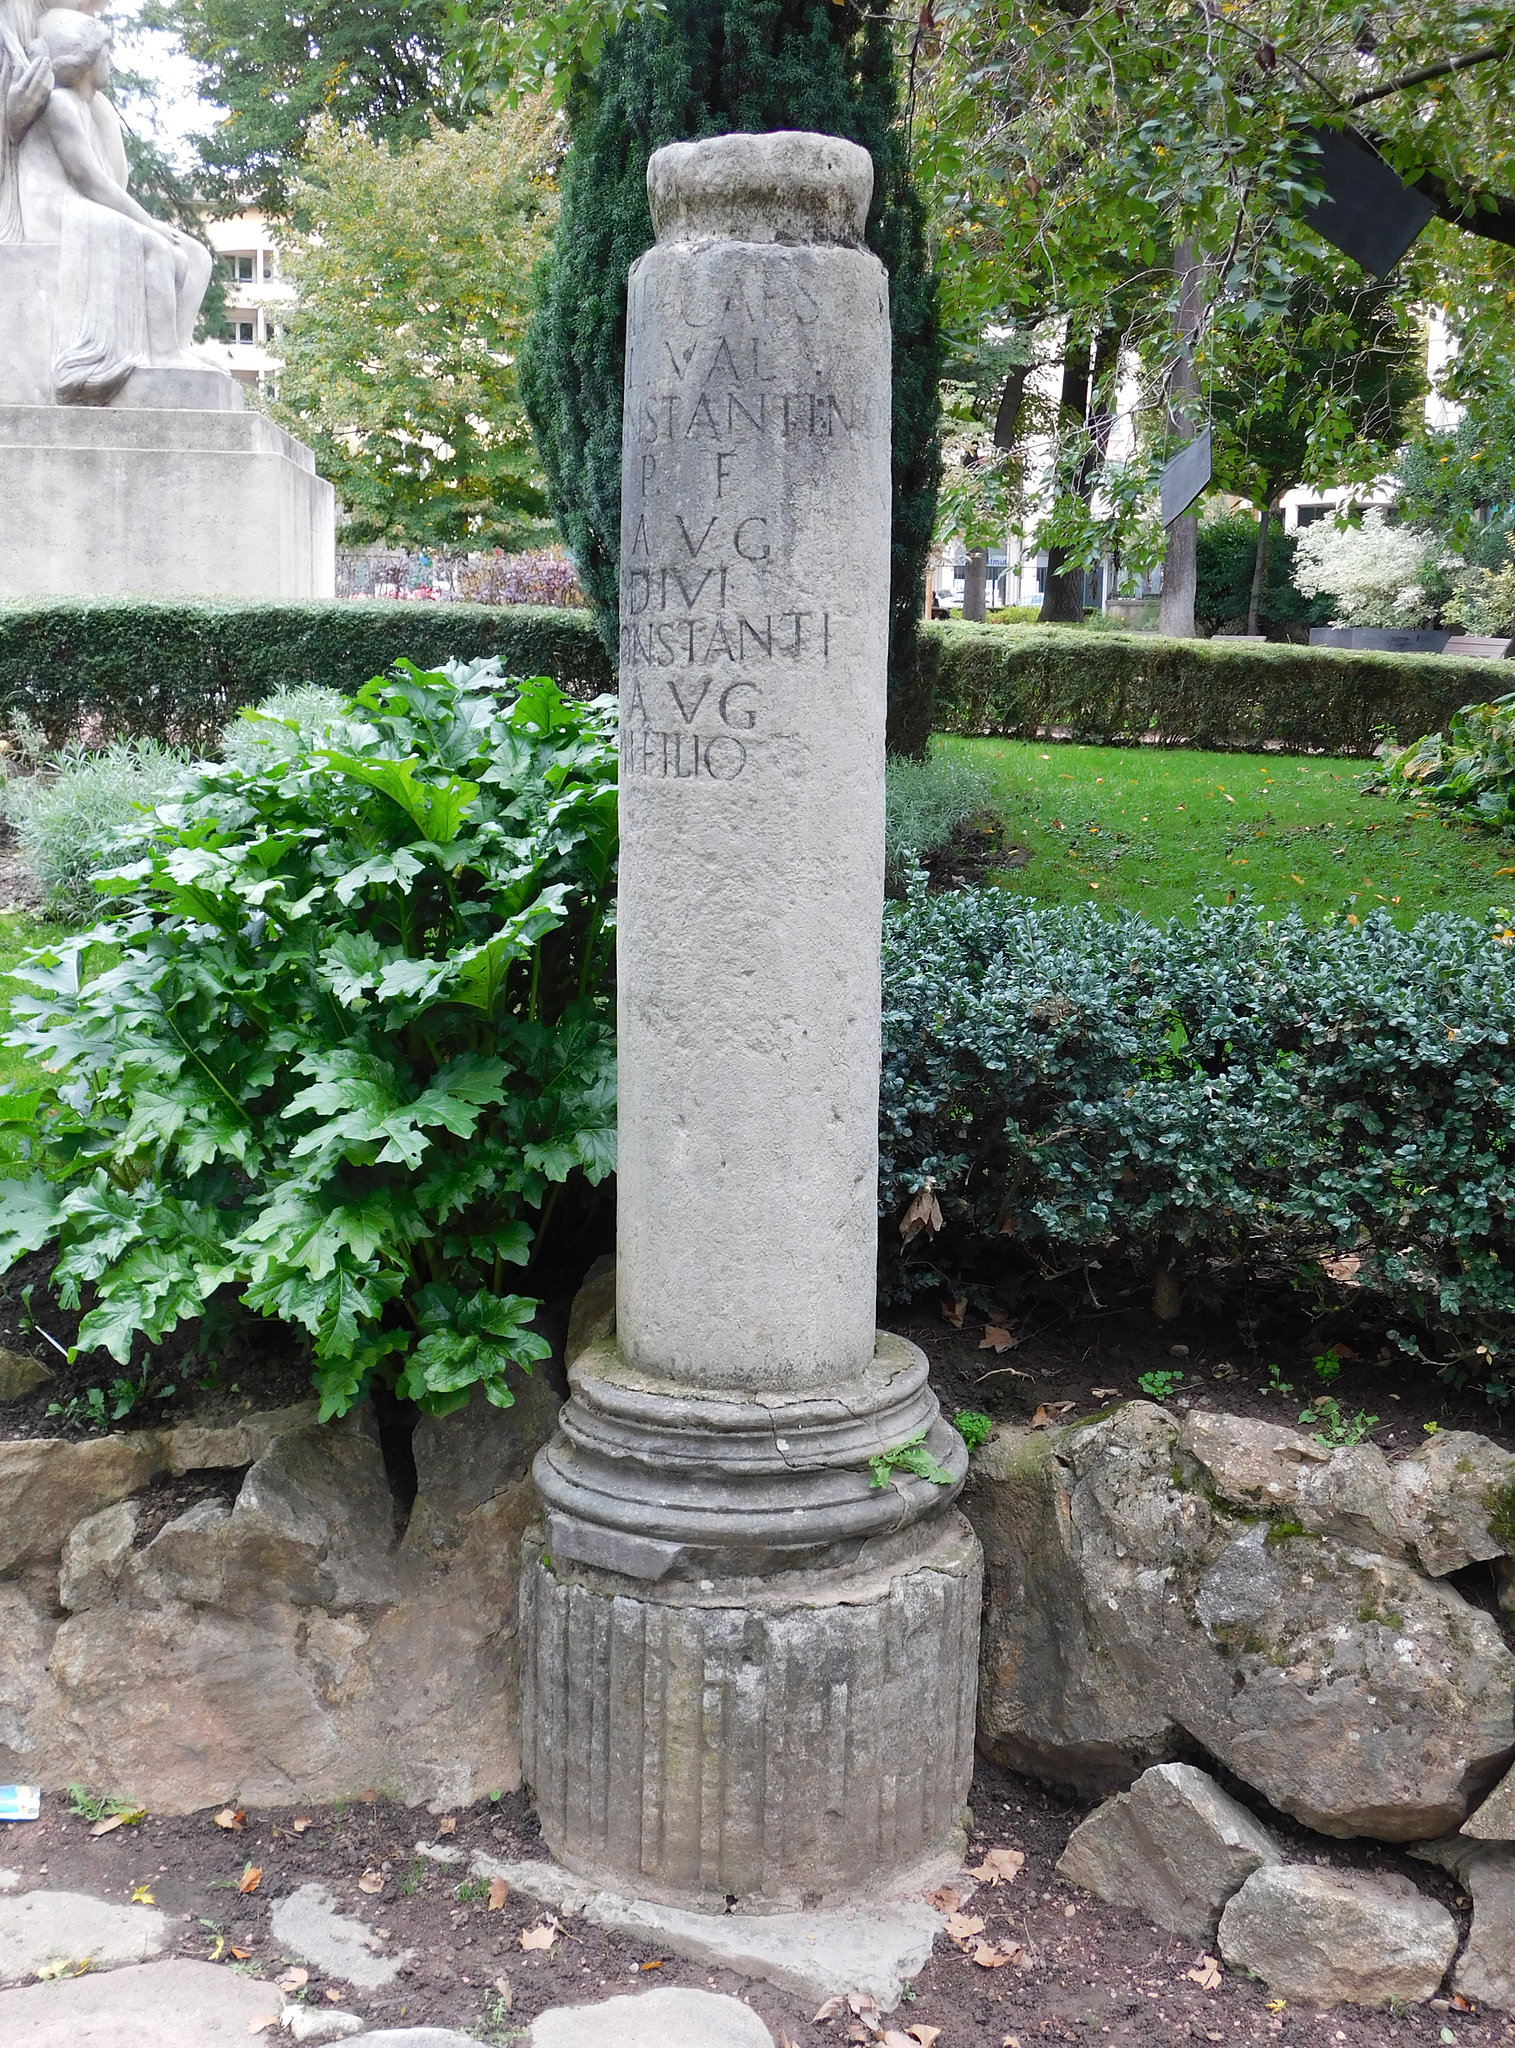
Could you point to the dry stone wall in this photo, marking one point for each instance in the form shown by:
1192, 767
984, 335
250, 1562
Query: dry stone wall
293, 1635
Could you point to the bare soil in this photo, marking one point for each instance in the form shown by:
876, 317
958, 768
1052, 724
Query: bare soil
1094, 1974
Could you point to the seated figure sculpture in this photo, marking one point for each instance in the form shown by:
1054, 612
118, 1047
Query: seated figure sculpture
129, 287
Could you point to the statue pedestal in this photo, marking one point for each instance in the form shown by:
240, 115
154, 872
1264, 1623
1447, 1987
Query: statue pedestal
146, 501
172, 490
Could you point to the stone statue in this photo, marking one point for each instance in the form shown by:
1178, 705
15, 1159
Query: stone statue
128, 287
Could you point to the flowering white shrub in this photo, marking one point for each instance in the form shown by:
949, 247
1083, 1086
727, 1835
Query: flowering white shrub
1375, 572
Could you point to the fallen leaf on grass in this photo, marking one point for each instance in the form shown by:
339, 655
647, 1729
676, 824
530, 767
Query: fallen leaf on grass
499, 1892
235, 1817
448, 1824
1206, 1974
962, 1927
372, 1882
335, 1997
302, 1824
293, 1978
543, 1935
1050, 1412
126, 1818
828, 2011
945, 1899
995, 1338
954, 1310
924, 1213
1274, 2004
1000, 1866
250, 1879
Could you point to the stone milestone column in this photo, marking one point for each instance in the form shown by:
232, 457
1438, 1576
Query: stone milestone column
749, 1657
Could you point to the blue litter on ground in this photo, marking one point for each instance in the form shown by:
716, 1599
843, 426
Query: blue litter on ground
20, 1802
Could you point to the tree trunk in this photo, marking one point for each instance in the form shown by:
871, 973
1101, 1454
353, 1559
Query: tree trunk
975, 580
1063, 598
1181, 563
1259, 567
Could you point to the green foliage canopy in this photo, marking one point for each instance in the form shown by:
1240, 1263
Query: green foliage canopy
400, 352
380, 66
343, 1045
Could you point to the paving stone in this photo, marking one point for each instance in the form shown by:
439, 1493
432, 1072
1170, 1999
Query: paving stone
418, 2037
10, 1880
666, 2018
176, 2004
37, 1928
309, 1925
873, 1948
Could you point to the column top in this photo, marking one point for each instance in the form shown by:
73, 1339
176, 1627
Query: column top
790, 186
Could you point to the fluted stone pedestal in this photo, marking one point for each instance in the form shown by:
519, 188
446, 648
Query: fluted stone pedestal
749, 1652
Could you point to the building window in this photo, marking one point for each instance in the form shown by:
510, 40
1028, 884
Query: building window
1308, 514
241, 269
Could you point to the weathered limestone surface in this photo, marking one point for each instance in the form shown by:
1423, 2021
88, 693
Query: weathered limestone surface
667, 2018
38, 1928
1331, 1937
749, 1666
174, 2004
1151, 1597
1174, 1848
300, 1648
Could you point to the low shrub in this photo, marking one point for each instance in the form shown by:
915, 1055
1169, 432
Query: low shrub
282, 727
67, 816
1022, 680
177, 672
343, 1045
926, 804
1338, 1103
1469, 769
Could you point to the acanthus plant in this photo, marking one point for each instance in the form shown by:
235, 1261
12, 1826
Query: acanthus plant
345, 1044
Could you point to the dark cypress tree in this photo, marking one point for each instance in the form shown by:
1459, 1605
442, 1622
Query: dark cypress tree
713, 67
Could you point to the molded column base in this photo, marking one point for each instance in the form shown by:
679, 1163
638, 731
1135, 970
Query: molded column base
765, 1742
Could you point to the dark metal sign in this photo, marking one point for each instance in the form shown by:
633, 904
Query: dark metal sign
1367, 210
1184, 476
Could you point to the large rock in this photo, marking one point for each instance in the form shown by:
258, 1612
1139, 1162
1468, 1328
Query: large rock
1331, 1937
174, 2004
1485, 1970
1149, 1597
668, 2017
47, 1485
300, 1645
1174, 1848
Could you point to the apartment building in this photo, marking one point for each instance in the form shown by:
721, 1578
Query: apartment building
247, 261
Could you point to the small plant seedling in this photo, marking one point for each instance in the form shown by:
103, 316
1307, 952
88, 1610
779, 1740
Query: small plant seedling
470, 1889
1276, 1383
1326, 1423
1160, 1386
910, 1456
973, 1426
94, 1807
1431, 1428
410, 1883
1327, 1367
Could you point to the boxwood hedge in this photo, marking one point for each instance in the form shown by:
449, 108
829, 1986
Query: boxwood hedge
129, 669
1235, 1089
1212, 693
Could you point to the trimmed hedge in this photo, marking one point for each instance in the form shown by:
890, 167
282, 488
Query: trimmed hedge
1022, 680
1334, 1104
129, 669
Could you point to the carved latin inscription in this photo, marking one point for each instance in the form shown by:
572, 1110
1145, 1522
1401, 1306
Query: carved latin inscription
705, 631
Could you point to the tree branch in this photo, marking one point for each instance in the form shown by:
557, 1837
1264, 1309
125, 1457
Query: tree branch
1430, 71
1490, 214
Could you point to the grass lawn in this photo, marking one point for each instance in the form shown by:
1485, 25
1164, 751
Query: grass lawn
1150, 828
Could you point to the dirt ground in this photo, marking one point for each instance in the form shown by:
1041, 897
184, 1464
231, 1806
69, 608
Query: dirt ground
1093, 1974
